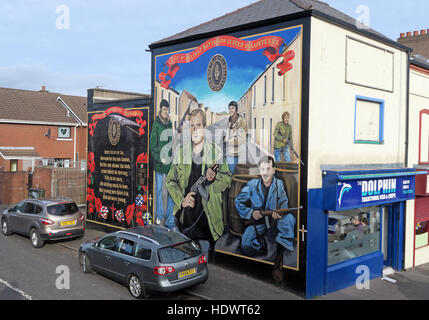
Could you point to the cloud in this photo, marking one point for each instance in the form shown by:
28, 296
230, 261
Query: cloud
32, 77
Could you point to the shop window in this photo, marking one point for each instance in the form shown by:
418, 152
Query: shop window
352, 234
422, 234
369, 121
424, 137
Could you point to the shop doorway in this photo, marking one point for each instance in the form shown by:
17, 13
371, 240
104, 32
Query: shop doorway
392, 235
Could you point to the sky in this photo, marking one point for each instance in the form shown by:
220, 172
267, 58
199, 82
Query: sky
73, 45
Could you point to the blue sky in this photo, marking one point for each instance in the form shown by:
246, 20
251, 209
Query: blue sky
107, 39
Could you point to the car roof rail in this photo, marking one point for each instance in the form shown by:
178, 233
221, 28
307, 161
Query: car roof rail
139, 236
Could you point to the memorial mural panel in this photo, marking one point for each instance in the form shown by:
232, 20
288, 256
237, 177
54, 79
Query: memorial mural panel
118, 167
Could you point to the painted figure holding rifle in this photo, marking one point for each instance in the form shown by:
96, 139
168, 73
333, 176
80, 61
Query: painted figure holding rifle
259, 196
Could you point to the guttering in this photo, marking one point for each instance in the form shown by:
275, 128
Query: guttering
69, 110
79, 124
46, 123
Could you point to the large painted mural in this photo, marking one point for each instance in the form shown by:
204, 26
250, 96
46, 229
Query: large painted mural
226, 144
118, 166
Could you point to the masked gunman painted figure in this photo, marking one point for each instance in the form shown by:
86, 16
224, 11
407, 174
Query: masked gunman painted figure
161, 153
265, 194
198, 213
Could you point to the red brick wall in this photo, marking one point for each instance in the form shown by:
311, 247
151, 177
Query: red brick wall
13, 187
26, 135
42, 180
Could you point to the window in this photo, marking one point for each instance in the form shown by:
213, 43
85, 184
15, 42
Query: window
179, 252
263, 132
284, 87
265, 89
177, 104
169, 96
422, 234
369, 120
254, 97
143, 252
271, 130
13, 165
108, 243
64, 133
126, 246
424, 137
38, 209
29, 207
353, 233
19, 207
272, 84
63, 209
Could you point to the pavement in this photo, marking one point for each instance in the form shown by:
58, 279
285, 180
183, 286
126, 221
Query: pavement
229, 280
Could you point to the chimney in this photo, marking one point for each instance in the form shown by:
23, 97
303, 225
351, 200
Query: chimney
417, 40
44, 89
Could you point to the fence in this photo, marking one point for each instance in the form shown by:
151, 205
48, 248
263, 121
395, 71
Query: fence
50, 181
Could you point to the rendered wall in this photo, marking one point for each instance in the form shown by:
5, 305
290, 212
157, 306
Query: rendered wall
332, 104
419, 100
338, 75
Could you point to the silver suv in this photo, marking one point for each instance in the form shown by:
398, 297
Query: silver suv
44, 219
149, 258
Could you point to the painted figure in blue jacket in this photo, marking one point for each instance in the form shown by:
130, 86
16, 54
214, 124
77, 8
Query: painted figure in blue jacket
264, 194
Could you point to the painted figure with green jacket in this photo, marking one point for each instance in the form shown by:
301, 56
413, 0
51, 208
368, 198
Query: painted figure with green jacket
202, 218
161, 155
283, 138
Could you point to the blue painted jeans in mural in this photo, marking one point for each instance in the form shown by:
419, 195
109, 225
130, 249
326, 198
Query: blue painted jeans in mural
169, 218
232, 163
250, 244
279, 152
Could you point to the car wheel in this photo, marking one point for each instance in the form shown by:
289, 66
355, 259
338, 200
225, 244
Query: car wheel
136, 287
35, 238
5, 228
85, 263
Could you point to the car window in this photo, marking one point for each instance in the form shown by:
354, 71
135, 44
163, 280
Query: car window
179, 252
19, 207
39, 209
108, 243
143, 252
126, 246
29, 207
63, 209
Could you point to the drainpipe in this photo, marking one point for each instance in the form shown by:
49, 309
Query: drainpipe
407, 115
79, 124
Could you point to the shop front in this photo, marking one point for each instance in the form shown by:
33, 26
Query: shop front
365, 219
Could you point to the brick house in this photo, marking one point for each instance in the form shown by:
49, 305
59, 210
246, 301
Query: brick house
41, 126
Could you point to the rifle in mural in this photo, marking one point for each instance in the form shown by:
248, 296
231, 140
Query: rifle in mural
294, 151
197, 187
267, 213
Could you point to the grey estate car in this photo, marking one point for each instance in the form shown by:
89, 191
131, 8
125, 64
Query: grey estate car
148, 258
44, 219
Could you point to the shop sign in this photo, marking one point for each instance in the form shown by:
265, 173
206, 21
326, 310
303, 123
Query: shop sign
352, 192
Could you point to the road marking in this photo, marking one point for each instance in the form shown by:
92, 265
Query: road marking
22, 293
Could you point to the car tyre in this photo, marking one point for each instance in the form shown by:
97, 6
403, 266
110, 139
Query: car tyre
35, 238
136, 287
85, 263
5, 228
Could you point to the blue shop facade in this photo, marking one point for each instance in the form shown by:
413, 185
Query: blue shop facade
357, 225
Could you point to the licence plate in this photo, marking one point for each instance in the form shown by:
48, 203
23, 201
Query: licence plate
68, 223
187, 272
